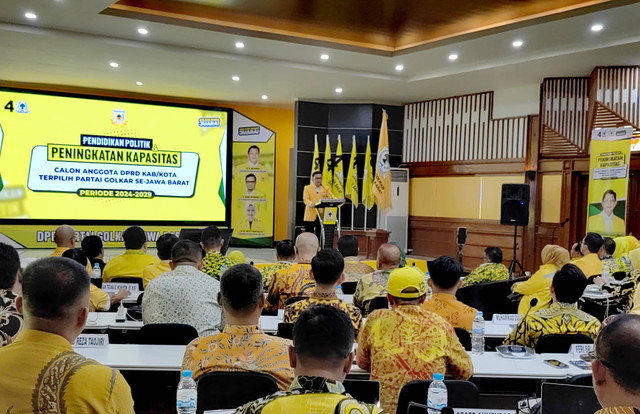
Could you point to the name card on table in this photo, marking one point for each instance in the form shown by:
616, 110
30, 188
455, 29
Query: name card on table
115, 287
580, 349
481, 411
506, 318
91, 341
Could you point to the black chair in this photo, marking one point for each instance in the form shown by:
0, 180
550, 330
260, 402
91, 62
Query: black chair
461, 394
349, 288
139, 300
464, 337
560, 343
226, 390
363, 390
285, 330
381, 302
294, 299
137, 280
490, 297
167, 334
195, 236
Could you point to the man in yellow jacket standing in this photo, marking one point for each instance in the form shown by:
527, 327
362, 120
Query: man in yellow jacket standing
311, 195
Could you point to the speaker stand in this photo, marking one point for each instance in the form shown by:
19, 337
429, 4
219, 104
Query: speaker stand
460, 253
514, 261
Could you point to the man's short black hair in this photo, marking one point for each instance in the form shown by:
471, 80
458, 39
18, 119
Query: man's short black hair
164, 244
323, 333
252, 147
327, 266
348, 245
53, 284
618, 347
316, 173
609, 245
593, 241
493, 253
610, 191
134, 238
186, 251
92, 246
241, 288
569, 283
77, 255
445, 272
250, 175
211, 236
9, 266
285, 249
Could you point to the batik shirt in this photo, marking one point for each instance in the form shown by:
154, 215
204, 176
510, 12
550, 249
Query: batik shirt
452, 310
619, 410
240, 348
409, 343
213, 261
487, 272
611, 264
10, 319
369, 287
286, 283
269, 271
292, 312
354, 269
309, 395
559, 318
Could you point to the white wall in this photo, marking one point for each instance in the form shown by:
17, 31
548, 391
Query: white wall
516, 101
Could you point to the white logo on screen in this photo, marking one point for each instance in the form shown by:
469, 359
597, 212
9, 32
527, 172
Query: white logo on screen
119, 116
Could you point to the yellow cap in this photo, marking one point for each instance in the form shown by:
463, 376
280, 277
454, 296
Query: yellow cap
237, 255
404, 278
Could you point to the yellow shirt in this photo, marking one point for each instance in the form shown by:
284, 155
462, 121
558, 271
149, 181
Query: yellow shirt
409, 343
634, 258
311, 195
537, 286
99, 300
270, 270
58, 253
590, 265
154, 270
129, 264
613, 226
451, 309
42, 374
286, 283
292, 312
240, 348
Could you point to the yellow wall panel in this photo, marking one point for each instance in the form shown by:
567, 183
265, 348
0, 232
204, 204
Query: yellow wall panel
492, 194
457, 197
420, 203
551, 198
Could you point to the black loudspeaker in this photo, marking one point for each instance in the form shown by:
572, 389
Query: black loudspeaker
461, 235
514, 209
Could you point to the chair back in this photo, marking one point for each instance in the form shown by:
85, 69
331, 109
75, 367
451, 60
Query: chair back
349, 288
285, 330
363, 390
293, 299
167, 334
464, 337
137, 280
381, 302
139, 299
227, 390
490, 297
461, 394
560, 343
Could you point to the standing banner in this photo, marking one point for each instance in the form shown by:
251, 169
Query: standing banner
609, 181
367, 179
252, 190
382, 179
351, 189
327, 178
338, 173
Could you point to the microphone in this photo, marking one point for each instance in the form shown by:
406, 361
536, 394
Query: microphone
553, 233
533, 302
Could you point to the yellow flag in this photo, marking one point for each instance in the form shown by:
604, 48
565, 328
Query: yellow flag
326, 172
315, 165
338, 174
351, 189
382, 180
367, 179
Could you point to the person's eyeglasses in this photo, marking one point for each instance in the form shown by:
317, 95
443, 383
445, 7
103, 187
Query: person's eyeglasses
593, 355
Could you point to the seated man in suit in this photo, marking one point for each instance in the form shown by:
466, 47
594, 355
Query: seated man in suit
562, 317
135, 258
585, 255
65, 238
492, 270
373, 285
10, 288
353, 268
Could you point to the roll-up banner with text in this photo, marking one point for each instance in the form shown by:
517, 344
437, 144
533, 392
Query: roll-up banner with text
609, 181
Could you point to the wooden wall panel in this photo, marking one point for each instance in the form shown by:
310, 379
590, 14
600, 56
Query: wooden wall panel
617, 89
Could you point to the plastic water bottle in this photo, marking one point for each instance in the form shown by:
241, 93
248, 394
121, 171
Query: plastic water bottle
339, 292
96, 273
477, 334
223, 269
437, 396
187, 395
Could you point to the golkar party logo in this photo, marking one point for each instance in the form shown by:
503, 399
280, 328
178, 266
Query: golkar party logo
119, 117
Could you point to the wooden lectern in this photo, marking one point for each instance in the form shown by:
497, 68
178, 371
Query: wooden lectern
328, 220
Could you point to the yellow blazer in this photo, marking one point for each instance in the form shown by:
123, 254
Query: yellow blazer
596, 225
310, 198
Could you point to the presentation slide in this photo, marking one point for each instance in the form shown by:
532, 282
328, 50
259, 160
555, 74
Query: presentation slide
77, 158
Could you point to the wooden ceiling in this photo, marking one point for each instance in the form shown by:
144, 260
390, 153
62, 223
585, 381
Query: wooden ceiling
374, 26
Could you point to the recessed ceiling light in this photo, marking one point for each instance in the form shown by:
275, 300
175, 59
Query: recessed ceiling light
139, 83
324, 56
517, 43
143, 31
30, 15
453, 56
235, 78
338, 90
239, 45
597, 27
113, 64
399, 68
264, 97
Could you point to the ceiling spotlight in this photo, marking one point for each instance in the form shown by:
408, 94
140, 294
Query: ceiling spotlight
239, 45
517, 43
324, 56
453, 56
143, 31
597, 27
265, 97
30, 15
399, 68
139, 83
235, 78
113, 64
338, 90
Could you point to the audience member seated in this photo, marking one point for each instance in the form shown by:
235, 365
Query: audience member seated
285, 256
611, 264
321, 357
562, 317
407, 342
624, 246
353, 268
211, 242
373, 285
537, 286
164, 244
294, 280
445, 278
135, 258
99, 300
94, 250
10, 289
616, 366
585, 255
41, 372
65, 238
327, 271
241, 346
492, 270
185, 294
